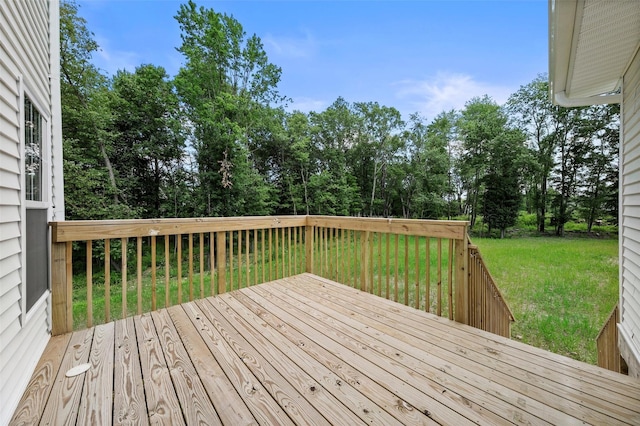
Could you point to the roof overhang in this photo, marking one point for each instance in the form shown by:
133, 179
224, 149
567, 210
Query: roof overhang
591, 43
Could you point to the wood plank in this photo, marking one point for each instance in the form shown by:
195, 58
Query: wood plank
425, 398
472, 396
427, 262
139, 272
154, 300
162, 402
247, 276
194, 400
450, 279
129, 407
212, 263
337, 373
228, 404
255, 257
201, 260
507, 349
167, 272
288, 391
179, 261
221, 261
61, 306
107, 280
190, 263
416, 257
96, 404
89, 275
264, 250
31, 406
63, 408
82, 230
431, 228
461, 352
338, 402
271, 251
255, 395
124, 281
239, 259
405, 287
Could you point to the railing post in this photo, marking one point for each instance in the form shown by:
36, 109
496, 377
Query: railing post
61, 288
462, 281
221, 242
308, 247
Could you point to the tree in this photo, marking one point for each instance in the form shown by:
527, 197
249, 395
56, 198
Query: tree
599, 174
502, 197
226, 84
91, 187
146, 119
378, 147
481, 121
427, 183
531, 110
333, 189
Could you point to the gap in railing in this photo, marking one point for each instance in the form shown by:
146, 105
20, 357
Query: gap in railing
190, 261
413, 270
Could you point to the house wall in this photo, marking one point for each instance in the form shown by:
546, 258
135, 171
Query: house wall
629, 327
29, 63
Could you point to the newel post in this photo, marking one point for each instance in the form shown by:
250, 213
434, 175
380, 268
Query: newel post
462, 279
308, 247
61, 288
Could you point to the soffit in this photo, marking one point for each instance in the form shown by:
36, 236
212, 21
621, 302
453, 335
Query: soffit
592, 42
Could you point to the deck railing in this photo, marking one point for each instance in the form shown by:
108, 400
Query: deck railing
429, 265
607, 343
488, 309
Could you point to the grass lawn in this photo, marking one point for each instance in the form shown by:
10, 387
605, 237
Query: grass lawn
560, 290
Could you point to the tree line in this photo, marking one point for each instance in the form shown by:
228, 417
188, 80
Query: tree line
217, 140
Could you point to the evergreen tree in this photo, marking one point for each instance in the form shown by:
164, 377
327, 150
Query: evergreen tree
502, 182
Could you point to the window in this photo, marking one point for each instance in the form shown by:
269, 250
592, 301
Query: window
36, 232
33, 136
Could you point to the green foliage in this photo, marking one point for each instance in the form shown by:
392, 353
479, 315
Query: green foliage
150, 140
217, 141
226, 85
502, 182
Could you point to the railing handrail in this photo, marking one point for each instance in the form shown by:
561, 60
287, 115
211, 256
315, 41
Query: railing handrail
453, 229
614, 312
83, 230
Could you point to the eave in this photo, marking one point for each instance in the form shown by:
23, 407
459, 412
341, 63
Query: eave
591, 43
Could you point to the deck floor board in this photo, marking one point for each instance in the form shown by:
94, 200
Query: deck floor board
306, 350
484, 370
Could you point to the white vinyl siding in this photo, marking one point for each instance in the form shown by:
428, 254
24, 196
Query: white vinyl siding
630, 205
28, 66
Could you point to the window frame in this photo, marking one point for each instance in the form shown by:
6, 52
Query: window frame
45, 154
26, 91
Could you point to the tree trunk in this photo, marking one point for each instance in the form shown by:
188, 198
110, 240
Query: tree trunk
112, 178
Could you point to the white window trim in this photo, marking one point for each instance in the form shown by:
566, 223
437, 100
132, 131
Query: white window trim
25, 90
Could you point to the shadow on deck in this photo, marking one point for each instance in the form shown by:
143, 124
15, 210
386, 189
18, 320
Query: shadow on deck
306, 350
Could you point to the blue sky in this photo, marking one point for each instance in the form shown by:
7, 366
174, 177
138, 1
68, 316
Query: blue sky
417, 56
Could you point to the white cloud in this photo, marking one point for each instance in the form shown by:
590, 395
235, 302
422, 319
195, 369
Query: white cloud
112, 61
307, 105
291, 47
446, 91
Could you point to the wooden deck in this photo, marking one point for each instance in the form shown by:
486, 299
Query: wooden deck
305, 350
